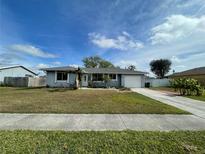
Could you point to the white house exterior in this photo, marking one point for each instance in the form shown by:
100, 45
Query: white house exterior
15, 71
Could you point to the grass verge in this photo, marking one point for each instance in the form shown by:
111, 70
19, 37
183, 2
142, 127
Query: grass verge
168, 89
200, 98
102, 142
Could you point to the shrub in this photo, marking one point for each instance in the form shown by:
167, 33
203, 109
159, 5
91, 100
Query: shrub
187, 86
124, 89
3, 84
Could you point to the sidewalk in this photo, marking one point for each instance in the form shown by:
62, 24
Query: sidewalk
100, 122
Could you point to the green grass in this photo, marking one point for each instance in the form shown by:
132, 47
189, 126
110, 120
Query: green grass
201, 98
30, 142
43, 100
169, 89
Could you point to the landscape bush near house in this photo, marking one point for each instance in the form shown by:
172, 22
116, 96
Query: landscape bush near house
187, 86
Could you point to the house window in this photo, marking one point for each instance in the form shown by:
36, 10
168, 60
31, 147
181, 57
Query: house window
113, 76
62, 76
97, 77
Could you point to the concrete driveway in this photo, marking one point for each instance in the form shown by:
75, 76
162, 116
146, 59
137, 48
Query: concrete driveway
193, 106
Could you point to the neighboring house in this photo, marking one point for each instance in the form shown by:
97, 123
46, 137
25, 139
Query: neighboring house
15, 71
93, 77
196, 73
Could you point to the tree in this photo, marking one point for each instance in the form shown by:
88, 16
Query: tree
91, 62
160, 67
105, 64
96, 62
131, 67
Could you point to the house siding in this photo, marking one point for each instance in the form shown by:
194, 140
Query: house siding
102, 84
50, 81
96, 84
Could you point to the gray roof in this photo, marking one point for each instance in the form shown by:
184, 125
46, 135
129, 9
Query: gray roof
111, 71
95, 70
194, 71
64, 68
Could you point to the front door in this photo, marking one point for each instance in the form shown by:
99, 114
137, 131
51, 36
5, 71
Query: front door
84, 80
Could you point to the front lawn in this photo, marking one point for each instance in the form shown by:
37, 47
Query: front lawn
102, 142
47, 100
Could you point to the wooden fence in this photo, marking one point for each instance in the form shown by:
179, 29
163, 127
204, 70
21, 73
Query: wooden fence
24, 81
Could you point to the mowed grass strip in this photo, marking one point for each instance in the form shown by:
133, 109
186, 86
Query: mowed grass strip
101, 142
200, 98
47, 100
169, 89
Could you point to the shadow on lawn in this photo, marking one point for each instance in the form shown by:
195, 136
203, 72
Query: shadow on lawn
60, 89
29, 88
47, 89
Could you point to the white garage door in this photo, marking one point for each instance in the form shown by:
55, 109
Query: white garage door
132, 81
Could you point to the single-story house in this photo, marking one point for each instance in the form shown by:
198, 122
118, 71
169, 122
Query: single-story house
15, 71
196, 73
94, 77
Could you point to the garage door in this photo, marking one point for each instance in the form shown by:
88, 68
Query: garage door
132, 81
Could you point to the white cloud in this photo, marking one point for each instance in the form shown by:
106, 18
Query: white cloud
178, 27
31, 50
56, 63
180, 66
126, 33
191, 3
51, 64
125, 63
42, 65
122, 42
175, 59
74, 65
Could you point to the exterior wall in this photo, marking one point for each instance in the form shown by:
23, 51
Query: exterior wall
101, 84
14, 72
50, 81
143, 81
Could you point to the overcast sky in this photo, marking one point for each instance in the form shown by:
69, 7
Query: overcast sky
43, 33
